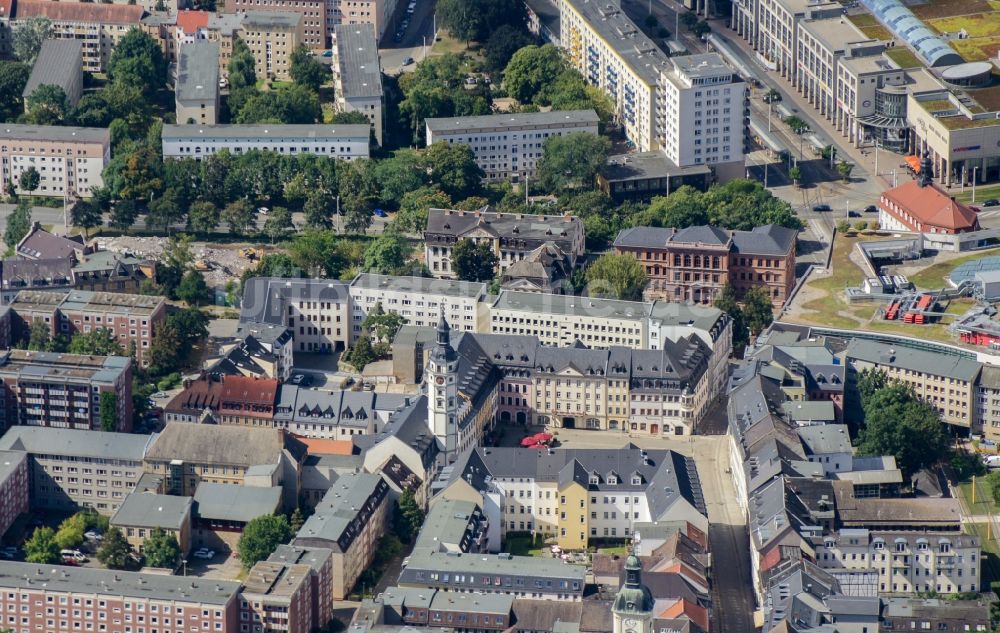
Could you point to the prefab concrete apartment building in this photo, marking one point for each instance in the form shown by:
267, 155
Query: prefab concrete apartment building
333, 141
358, 74
69, 160
508, 146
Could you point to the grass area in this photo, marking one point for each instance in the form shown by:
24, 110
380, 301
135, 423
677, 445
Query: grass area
975, 50
621, 550
991, 553
904, 57
870, 26
844, 273
978, 25
522, 545
982, 193
984, 501
262, 84
448, 44
932, 277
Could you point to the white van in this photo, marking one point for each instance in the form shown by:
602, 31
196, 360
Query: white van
991, 461
74, 554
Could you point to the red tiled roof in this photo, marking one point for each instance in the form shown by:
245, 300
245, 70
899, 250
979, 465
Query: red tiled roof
931, 207
697, 614
191, 21
79, 11
243, 395
6, 8
321, 446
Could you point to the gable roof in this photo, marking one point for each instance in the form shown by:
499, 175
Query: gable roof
930, 205
770, 239
41, 244
256, 396
79, 11
229, 445
704, 234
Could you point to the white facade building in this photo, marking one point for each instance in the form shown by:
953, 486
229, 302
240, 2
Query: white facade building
69, 160
334, 141
703, 114
508, 146
358, 74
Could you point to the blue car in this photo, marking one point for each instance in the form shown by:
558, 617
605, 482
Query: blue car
379, 213
327, 53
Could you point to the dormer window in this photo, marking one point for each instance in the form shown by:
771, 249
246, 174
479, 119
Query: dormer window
636, 480
594, 480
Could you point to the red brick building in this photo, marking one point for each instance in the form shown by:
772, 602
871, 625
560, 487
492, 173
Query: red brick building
691, 265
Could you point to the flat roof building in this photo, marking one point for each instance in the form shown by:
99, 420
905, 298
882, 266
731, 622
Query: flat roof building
357, 72
508, 146
69, 160
332, 141
196, 92
59, 63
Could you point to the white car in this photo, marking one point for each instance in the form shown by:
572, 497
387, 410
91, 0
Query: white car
93, 535
204, 553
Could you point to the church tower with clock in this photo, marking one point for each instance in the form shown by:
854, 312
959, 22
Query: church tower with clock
633, 606
442, 391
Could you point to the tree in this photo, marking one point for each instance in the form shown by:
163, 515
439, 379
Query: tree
86, 215
109, 411
18, 224
454, 169
795, 173
203, 217
870, 381
165, 354
39, 336
412, 216
29, 180
99, 342
28, 37
726, 301
161, 549
42, 548
242, 66
240, 217
278, 223
843, 226
124, 214
361, 353
288, 104
688, 19
296, 520
898, 423
618, 276
193, 289
382, 326
349, 118
137, 60
70, 532
260, 538
164, 211
758, 309
403, 172
476, 19
683, 208
503, 43
772, 96
191, 325
387, 253
473, 261
845, 168
860, 225
437, 89
319, 208
305, 70
13, 78
115, 552
47, 105
530, 69
701, 28
315, 251
572, 161
797, 125
410, 517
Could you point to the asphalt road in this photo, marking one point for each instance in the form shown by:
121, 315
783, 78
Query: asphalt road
42, 215
420, 30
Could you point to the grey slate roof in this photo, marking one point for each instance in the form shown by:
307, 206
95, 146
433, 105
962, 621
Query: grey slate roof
340, 507
357, 56
42, 244
228, 502
41, 440
541, 228
933, 363
644, 237
57, 133
315, 557
54, 65
287, 19
421, 285
511, 121
765, 240
645, 165
80, 580
265, 299
19, 273
704, 234
198, 71
223, 445
825, 438
233, 131
551, 570
346, 408
572, 305
150, 510
771, 239
448, 526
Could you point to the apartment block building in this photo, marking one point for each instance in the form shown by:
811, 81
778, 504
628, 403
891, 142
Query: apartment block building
357, 71
69, 470
272, 36
350, 520
69, 160
225, 399
420, 301
704, 109
378, 13
694, 263
99, 26
280, 597
133, 320
317, 311
59, 63
14, 487
196, 92
562, 319
196, 141
613, 54
320, 561
943, 381
507, 146
91, 598
987, 402
64, 390
512, 236
576, 495
308, 29
905, 562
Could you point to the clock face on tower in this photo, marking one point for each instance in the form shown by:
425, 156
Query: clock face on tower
440, 380
631, 626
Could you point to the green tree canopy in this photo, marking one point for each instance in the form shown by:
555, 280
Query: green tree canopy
503, 43
47, 105
115, 552
726, 301
99, 342
161, 549
387, 254
193, 289
897, 423
288, 104
454, 170
413, 208
18, 224
316, 252
29, 180
137, 60
437, 89
477, 19
261, 536
278, 223
758, 309
473, 261
71, 530
572, 161
109, 411
86, 215
409, 517
617, 276
13, 78
28, 35
42, 547
306, 70
531, 69
739, 204
240, 216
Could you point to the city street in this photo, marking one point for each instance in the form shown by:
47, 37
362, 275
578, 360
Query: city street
42, 215
419, 32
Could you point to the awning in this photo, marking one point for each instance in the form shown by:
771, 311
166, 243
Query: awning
914, 163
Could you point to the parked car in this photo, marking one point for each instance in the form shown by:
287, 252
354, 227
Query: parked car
821, 208
263, 210
407, 61
379, 213
160, 394
871, 209
204, 553
8, 552
327, 53
853, 214
991, 461
301, 379
93, 535
73, 554
992, 202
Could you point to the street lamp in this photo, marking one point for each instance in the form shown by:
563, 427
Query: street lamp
184, 562
974, 169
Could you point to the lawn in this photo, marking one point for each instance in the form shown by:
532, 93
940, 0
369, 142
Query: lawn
979, 49
977, 25
904, 57
870, 26
984, 501
982, 193
521, 545
932, 277
844, 273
